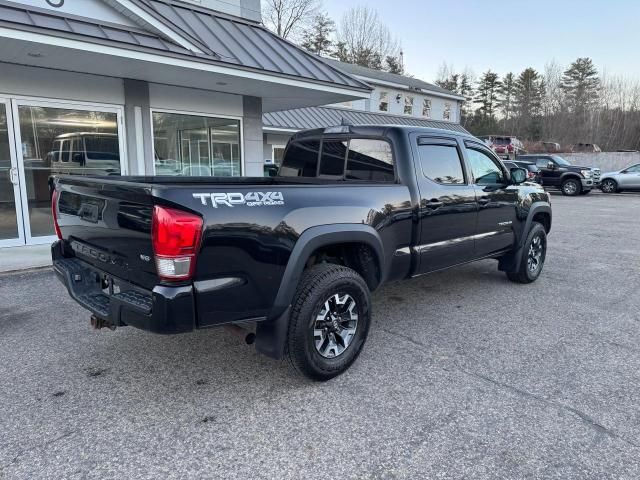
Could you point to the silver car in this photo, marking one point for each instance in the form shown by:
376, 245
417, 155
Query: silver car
626, 179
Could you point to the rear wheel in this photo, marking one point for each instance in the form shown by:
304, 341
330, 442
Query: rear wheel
571, 187
609, 186
533, 254
329, 321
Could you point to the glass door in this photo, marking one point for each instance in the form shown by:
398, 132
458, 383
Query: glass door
11, 231
55, 138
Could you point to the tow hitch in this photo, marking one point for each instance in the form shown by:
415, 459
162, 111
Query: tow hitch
98, 323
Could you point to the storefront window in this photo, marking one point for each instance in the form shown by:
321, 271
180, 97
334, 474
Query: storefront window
67, 142
196, 146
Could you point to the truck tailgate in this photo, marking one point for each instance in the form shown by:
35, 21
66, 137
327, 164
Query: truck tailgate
107, 224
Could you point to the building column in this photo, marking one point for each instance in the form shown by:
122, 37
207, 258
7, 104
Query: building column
253, 140
137, 117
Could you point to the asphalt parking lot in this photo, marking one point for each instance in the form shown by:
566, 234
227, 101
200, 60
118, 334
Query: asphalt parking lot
465, 375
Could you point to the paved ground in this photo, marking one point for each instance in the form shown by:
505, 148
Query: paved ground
465, 375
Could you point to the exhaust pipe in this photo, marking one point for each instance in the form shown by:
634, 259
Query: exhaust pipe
246, 335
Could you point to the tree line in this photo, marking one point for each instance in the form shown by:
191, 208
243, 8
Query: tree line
569, 105
566, 106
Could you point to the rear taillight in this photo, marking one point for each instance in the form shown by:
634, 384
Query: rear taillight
176, 237
510, 147
54, 213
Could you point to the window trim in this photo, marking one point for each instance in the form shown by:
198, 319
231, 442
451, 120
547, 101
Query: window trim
386, 93
445, 142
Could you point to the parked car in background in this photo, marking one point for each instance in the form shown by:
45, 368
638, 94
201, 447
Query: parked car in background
533, 172
626, 179
585, 148
505, 146
85, 153
558, 172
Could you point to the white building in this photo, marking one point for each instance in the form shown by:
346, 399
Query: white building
395, 99
140, 87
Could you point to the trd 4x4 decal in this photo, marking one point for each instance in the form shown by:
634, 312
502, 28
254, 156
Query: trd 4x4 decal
251, 199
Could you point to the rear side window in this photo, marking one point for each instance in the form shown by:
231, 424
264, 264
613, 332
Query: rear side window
442, 164
301, 159
370, 159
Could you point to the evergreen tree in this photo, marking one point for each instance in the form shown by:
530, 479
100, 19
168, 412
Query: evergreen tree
317, 38
465, 88
581, 85
392, 64
506, 95
528, 102
449, 83
487, 95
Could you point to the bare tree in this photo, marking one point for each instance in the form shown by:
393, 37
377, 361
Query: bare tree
288, 18
363, 39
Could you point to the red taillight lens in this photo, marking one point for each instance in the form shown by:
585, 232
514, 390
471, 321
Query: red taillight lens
510, 148
54, 213
176, 237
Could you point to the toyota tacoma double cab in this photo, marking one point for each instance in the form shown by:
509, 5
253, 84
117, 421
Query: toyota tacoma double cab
293, 259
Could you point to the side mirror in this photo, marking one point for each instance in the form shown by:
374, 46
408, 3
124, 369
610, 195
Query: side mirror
78, 158
551, 165
518, 175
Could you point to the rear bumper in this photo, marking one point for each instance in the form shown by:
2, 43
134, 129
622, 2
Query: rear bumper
164, 310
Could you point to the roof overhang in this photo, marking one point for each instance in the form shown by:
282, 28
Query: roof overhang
84, 56
399, 86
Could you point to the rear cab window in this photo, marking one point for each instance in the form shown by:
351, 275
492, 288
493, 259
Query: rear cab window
440, 161
346, 159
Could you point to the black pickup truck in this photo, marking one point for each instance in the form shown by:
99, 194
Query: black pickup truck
296, 255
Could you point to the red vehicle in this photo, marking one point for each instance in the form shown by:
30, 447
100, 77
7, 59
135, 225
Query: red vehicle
505, 146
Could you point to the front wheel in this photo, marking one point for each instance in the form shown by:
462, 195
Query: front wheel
609, 186
329, 321
571, 187
533, 254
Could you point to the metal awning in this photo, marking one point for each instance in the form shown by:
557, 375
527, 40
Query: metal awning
219, 52
320, 117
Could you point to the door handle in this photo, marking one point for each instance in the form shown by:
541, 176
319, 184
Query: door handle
13, 176
483, 200
434, 203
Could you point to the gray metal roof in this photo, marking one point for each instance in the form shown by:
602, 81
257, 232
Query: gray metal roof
409, 82
223, 39
32, 18
319, 117
243, 43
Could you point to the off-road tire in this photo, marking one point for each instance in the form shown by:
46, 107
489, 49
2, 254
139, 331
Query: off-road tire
524, 274
316, 286
568, 190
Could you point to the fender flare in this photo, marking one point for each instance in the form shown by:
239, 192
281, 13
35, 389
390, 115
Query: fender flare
271, 334
566, 175
511, 262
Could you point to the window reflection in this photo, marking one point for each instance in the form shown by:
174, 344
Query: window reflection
196, 146
63, 141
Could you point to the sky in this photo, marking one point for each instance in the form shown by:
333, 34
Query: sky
509, 35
